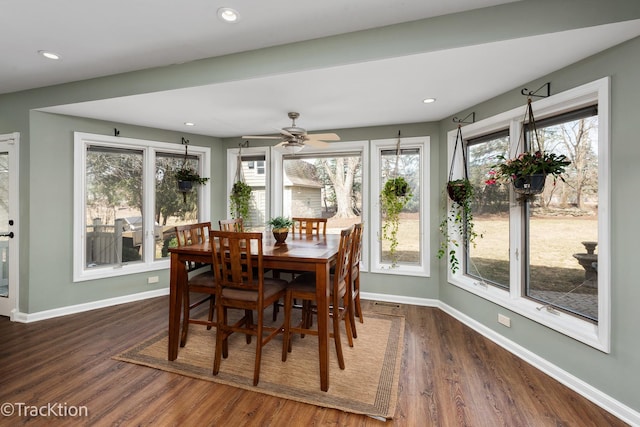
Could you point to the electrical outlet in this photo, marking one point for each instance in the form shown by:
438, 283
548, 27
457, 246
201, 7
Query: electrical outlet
504, 320
153, 279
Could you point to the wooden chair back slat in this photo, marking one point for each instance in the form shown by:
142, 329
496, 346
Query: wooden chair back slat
310, 226
235, 224
232, 258
190, 234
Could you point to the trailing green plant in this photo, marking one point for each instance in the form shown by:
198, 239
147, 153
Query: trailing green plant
240, 198
280, 222
457, 225
394, 197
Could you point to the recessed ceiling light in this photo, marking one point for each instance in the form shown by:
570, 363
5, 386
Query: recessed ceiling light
49, 55
429, 100
228, 15
189, 124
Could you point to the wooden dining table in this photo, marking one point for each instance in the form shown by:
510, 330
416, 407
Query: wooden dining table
299, 253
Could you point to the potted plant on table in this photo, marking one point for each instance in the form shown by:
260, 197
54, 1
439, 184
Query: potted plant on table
280, 226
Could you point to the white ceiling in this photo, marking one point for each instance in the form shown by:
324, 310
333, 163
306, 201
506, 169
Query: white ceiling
103, 38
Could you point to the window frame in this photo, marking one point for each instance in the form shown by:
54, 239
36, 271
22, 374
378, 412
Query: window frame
149, 150
277, 180
596, 335
232, 163
377, 266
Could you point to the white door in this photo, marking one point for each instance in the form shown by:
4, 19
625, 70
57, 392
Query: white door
9, 224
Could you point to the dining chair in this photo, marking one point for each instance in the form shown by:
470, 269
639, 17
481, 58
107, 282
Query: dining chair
309, 226
303, 288
234, 224
301, 226
200, 282
355, 309
242, 285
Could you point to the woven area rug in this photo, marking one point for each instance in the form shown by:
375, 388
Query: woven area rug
368, 385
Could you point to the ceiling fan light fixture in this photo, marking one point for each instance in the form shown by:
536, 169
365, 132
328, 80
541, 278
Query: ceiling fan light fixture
229, 15
291, 147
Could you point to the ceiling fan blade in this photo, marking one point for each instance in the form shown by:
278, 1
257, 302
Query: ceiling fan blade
323, 137
260, 137
286, 133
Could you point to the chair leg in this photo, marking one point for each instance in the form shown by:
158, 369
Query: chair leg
212, 306
347, 320
286, 341
220, 349
357, 300
276, 309
336, 339
185, 317
352, 316
248, 323
259, 342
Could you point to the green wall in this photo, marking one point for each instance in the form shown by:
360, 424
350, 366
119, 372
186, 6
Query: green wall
50, 282
616, 373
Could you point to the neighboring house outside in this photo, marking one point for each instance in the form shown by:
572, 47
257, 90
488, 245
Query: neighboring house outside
302, 195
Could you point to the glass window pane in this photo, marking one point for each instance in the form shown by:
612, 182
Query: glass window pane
4, 224
113, 216
488, 259
172, 207
406, 164
253, 172
563, 223
328, 186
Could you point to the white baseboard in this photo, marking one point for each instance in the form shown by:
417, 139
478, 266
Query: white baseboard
79, 308
620, 410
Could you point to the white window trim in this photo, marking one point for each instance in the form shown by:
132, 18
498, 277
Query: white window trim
149, 148
377, 265
277, 179
232, 163
595, 335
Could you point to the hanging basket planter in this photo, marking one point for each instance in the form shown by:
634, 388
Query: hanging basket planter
529, 185
457, 223
459, 190
185, 186
529, 169
398, 187
187, 177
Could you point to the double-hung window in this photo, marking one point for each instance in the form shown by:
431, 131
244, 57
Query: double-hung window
547, 257
127, 203
409, 160
256, 175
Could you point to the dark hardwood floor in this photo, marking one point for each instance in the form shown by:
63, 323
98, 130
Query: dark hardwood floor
451, 376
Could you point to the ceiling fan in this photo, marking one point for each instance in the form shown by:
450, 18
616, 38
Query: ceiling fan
295, 138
